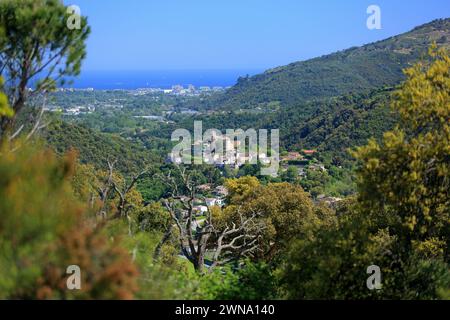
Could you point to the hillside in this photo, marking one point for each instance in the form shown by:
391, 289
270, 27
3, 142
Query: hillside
329, 103
353, 70
341, 123
330, 125
97, 148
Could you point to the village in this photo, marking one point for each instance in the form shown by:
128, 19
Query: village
208, 195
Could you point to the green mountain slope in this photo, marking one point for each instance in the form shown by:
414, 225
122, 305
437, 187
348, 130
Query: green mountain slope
341, 123
352, 70
330, 103
97, 148
331, 125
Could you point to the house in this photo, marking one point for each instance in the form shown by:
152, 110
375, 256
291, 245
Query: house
185, 199
301, 172
200, 210
317, 167
204, 187
214, 202
329, 201
220, 202
210, 201
292, 156
309, 152
264, 159
221, 191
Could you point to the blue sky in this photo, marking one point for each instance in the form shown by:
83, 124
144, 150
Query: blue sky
237, 34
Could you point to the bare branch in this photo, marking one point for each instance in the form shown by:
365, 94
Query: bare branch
105, 189
234, 241
36, 127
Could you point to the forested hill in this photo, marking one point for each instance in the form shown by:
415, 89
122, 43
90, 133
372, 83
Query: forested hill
338, 124
360, 68
98, 148
330, 125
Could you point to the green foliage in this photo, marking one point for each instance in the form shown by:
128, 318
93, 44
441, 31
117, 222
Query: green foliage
36, 31
285, 210
37, 49
151, 188
251, 281
291, 175
352, 70
405, 179
400, 220
97, 148
334, 264
154, 217
5, 110
44, 229
170, 278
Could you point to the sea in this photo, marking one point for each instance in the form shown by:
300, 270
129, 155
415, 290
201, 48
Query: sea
165, 79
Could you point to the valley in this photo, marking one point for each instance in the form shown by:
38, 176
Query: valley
320, 179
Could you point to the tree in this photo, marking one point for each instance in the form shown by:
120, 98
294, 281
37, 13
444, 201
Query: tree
154, 218
333, 264
290, 175
405, 180
400, 220
44, 229
285, 210
127, 193
84, 183
37, 50
109, 192
315, 181
5, 110
129, 198
227, 243
252, 281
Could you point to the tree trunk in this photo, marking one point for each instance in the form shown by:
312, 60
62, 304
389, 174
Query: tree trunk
199, 263
165, 238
